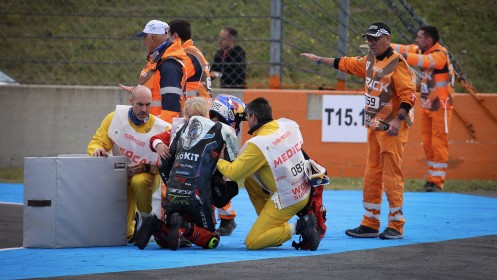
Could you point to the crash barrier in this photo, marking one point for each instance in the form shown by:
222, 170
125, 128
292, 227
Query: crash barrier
471, 155
74, 201
51, 120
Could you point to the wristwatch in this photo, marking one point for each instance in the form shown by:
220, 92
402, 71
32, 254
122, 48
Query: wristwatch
319, 61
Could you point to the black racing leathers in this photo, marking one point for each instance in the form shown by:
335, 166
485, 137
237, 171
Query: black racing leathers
194, 153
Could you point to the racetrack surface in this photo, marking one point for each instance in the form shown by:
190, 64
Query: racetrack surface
448, 236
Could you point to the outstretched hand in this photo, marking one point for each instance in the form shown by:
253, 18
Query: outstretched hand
126, 88
310, 56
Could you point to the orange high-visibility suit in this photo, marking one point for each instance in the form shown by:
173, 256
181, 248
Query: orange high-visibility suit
437, 88
199, 82
166, 76
390, 85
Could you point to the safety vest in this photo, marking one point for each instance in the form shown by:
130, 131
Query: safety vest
150, 77
201, 87
282, 150
130, 143
379, 91
437, 86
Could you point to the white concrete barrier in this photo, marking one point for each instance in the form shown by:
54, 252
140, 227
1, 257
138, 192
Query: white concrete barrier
45, 120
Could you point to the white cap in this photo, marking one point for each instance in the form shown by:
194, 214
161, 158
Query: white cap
154, 27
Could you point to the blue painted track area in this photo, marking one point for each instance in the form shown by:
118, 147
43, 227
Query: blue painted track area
430, 217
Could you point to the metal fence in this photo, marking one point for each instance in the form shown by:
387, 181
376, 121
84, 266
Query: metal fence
92, 42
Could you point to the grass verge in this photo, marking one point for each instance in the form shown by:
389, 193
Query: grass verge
11, 175
413, 185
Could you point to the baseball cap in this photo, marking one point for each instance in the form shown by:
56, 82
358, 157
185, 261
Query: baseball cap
377, 29
154, 27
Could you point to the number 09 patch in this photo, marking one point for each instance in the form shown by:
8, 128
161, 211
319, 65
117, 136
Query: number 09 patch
372, 101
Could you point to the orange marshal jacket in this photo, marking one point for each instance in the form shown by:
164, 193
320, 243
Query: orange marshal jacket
199, 82
389, 81
437, 74
150, 76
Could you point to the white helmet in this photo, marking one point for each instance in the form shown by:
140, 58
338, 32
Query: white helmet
229, 109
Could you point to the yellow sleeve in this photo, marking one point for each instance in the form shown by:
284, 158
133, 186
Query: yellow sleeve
353, 65
246, 164
100, 138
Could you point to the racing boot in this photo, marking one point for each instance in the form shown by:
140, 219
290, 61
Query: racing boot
202, 237
213, 242
184, 242
306, 227
174, 237
137, 221
146, 226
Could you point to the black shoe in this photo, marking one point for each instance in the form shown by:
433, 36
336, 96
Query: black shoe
424, 187
226, 227
427, 185
138, 221
432, 187
147, 225
306, 227
362, 232
390, 233
173, 239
